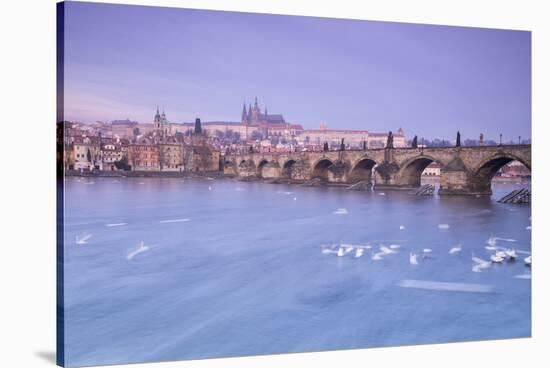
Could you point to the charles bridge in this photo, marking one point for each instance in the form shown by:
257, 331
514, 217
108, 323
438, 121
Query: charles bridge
464, 169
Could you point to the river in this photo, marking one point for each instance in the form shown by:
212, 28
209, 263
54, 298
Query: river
167, 269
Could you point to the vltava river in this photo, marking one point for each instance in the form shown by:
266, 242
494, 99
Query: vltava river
171, 269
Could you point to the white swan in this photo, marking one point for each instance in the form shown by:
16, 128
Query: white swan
83, 240
497, 258
359, 252
328, 251
479, 264
427, 250
413, 259
386, 250
377, 256
527, 261
511, 253
456, 249
341, 252
142, 248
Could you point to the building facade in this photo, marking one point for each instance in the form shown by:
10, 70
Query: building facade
144, 155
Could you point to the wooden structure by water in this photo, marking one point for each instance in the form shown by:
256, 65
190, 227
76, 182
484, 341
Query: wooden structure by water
362, 185
517, 196
425, 190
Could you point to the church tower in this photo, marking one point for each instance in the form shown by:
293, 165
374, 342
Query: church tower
255, 112
244, 116
158, 120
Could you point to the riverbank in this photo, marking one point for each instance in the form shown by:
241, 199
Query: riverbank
146, 174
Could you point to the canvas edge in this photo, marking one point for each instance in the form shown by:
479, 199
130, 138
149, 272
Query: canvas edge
60, 309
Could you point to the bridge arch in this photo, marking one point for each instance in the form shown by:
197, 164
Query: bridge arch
230, 167
484, 173
362, 169
260, 167
410, 173
288, 167
320, 169
247, 163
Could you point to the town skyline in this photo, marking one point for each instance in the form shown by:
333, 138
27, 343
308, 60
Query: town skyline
349, 74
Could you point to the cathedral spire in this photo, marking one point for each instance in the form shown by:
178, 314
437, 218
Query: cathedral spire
244, 116
256, 103
157, 115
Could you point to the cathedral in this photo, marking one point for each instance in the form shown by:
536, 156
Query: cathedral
255, 117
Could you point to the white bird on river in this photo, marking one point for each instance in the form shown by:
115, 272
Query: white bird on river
480, 264
528, 261
456, 249
359, 252
386, 250
413, 259
142, 248
496, 258
511, 253
80, 240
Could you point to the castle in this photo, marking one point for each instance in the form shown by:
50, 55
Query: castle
255, 117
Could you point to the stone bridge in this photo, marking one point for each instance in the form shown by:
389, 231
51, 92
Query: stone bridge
465, 170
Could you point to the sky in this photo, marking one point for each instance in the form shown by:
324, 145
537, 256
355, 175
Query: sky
121, 61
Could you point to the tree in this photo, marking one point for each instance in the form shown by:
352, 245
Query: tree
458, 139
89, 156
415, 142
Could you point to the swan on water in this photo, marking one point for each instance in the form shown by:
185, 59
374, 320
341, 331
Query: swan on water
511, 253
479, 264
413, 259
527, 261
456, 249
497, 258
427, 250
401, 227
386, 250
142, 248
377, 256
359, 252
83, 239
